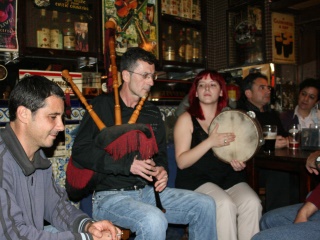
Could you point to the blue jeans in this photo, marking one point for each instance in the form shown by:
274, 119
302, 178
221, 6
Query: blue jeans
278, 224
136, 211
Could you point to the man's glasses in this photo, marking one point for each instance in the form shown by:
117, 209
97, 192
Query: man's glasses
145, 76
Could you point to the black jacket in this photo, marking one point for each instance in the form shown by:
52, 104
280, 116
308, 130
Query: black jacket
88, 150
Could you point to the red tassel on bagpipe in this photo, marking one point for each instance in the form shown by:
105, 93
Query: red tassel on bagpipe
134, 140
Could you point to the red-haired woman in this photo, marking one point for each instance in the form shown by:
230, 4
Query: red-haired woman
238, 206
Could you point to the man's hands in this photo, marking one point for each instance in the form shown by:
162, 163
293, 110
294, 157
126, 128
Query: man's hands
310, 163
103, 230
305, 212
147, 169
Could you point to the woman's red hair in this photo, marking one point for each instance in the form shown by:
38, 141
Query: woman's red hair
195, 108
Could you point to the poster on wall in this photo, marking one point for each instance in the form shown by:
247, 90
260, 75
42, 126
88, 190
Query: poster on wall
283, 42
8, 25
74, 6
137, 24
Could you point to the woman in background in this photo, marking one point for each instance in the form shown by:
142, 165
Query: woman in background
238, 206
306, 112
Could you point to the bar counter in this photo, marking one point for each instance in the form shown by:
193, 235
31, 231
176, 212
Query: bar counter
287, 160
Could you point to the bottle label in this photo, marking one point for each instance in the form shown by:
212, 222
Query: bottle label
43, 38
232, 94
195, 54
56, 39
182, 51
188, 54
170, 55
69, 42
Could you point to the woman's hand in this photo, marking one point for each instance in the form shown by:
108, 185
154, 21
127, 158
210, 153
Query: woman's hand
221, 139
237, 166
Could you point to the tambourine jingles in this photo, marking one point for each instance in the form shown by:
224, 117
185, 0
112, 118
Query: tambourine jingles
248, 133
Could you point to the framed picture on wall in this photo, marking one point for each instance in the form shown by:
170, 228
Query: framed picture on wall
245, 37
137, 24
283, 39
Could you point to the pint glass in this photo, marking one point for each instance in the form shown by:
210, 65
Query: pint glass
269, 135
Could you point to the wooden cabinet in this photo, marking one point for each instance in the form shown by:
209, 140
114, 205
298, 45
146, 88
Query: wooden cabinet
187, 28
85, 20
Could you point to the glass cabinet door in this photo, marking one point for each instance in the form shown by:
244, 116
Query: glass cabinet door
60, 28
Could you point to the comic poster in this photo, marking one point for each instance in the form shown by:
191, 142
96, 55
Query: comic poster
8, 27
137, 24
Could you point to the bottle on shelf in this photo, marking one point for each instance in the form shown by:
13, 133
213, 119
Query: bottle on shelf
170, 54
55, 32
188, 51
196, 47
163, 44
81, 34
43, 31
69, 34
181, 45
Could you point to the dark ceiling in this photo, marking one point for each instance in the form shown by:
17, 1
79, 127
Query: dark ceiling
307, 12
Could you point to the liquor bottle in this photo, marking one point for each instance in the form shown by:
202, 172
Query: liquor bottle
163, 44
170, 54
195, 47
81, 34
188, 52
69, 34
43, 31
55, 32
181, 45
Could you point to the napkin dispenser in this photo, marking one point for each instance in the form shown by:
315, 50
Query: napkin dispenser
310, 139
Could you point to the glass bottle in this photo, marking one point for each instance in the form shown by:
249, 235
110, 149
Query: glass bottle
195, 47
170, 46
55, 32
69, 34
188, 52
43, 31
81, 34
181, 45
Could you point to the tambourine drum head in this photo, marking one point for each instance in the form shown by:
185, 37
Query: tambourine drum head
248, 134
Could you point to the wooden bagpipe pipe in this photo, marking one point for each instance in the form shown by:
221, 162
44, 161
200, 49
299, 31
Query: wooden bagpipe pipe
136, 137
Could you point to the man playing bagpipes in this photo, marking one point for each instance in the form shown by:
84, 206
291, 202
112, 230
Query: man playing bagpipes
124, 191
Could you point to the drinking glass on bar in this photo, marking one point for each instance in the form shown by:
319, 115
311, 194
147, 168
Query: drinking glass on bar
269, 135
294, 136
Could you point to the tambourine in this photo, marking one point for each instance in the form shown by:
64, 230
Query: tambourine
248, 133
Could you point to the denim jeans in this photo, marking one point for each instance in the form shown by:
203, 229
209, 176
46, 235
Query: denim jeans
136, 211
278, 224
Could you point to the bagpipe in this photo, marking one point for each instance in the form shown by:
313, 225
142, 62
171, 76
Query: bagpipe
136, 137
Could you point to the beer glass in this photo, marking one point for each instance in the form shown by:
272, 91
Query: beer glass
294, 136
269, 135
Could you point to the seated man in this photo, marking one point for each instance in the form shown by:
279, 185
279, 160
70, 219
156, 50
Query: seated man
295, 222
255, 97
28, 192
125, 194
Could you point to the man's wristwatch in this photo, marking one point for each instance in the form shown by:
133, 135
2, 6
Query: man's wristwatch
317, 162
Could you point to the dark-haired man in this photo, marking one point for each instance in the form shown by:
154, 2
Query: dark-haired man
125, 195
256, 97
28, 192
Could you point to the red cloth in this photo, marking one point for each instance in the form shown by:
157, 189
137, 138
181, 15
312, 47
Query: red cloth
314, 196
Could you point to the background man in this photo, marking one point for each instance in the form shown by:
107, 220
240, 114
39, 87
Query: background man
256, 97
295, 222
